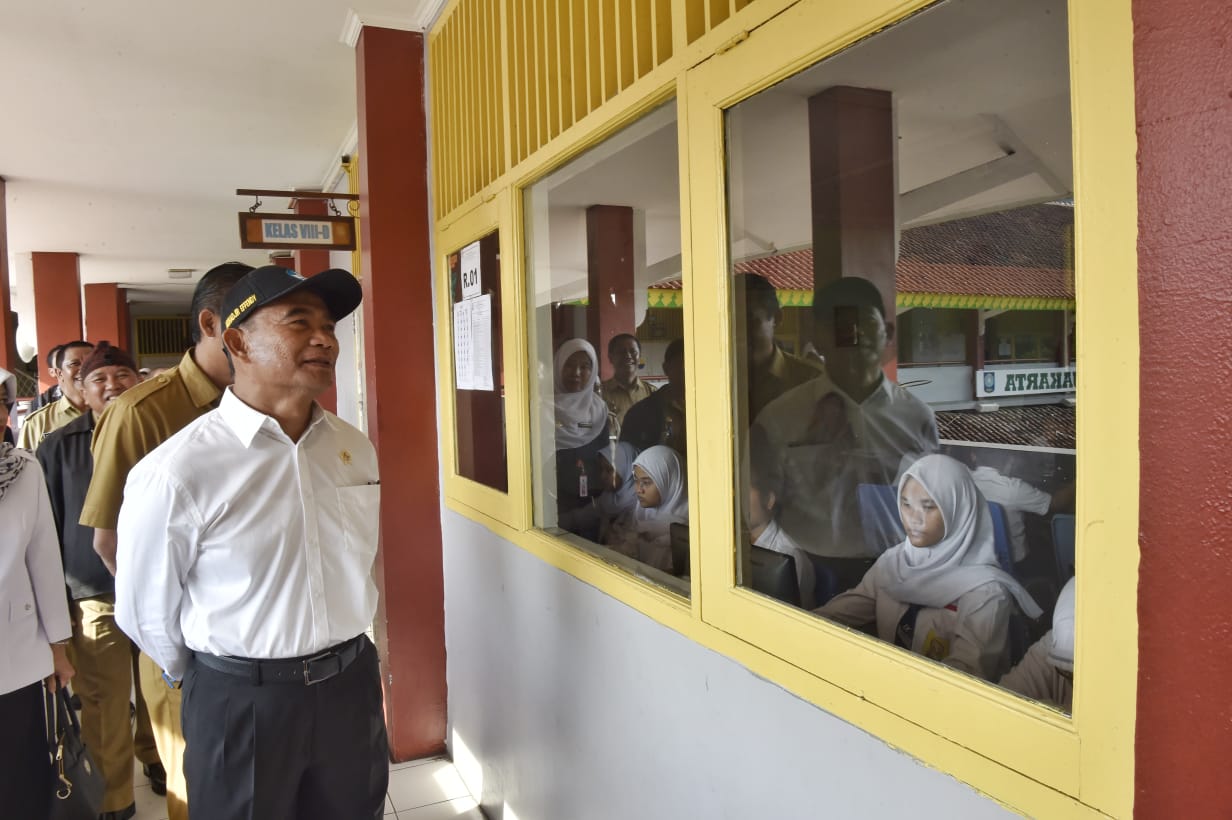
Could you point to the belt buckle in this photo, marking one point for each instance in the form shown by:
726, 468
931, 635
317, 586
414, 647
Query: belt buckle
311, 678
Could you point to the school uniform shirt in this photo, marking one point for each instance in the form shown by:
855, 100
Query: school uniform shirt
826, 456
774, 538
38, 424
1016, 496
136, 422
783, 372
235, 540
620, 398
33, 607
1036, 677
971, 634
65, 458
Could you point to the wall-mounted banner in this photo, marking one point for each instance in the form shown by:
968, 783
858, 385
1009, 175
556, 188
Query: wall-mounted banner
1025, 382
290, 232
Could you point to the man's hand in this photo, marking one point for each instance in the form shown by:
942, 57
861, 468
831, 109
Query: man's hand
105, 546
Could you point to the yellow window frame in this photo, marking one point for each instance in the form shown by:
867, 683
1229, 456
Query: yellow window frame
1020, 754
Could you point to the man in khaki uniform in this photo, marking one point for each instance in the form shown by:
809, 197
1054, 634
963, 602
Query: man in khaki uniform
69, 406
132, 426
625, 388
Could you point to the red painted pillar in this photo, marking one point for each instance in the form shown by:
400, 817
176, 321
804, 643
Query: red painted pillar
399, 361
107, 315
609, 269
57, 303
851, 163
309, 262
1184, 124
8, 321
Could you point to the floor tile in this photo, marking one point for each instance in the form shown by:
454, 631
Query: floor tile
462, 808
406, 764
150, 806
425, 785
389, 806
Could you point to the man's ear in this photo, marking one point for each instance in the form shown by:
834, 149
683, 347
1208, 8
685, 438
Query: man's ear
208, 322
235, 343
889, 326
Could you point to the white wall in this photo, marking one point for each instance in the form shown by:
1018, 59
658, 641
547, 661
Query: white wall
565, 703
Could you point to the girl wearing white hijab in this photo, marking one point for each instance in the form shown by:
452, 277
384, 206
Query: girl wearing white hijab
1046, 672
659, 482
618, 502
940, 593
581, 424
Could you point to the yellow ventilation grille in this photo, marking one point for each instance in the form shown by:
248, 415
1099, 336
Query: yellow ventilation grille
703, 15
467, 102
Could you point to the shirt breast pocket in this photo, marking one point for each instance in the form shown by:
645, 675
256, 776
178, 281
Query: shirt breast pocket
20, 609
360, 514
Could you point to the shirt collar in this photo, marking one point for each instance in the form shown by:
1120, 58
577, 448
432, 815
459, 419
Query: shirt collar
246, 422
201, 389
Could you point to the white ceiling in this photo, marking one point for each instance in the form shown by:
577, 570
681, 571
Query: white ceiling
128, 124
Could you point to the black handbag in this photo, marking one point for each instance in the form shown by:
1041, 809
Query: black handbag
77, 784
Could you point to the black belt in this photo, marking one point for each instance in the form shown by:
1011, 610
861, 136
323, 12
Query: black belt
307, 670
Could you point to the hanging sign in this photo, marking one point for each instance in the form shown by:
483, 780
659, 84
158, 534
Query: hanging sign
293, 232
1025, 382
472, 283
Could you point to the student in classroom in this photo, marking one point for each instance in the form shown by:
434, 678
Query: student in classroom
1046, 672
940, 592
663, 500
582, 430
762, 509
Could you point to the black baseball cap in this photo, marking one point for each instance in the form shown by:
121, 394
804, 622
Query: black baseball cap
339, 290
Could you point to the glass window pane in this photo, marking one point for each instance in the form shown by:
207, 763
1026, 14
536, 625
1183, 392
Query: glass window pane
901, 237
609, 420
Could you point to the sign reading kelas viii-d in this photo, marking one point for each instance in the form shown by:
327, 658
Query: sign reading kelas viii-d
288, 232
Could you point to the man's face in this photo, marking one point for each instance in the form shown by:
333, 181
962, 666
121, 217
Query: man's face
674, 370
624, 354
852, 341
70, 368
102, 384
290, 344
760, 324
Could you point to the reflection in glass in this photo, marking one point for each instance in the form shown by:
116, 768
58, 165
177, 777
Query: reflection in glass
901, 238
609, 437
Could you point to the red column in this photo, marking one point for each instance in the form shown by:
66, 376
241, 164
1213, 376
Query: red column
851, 162
399, 362
8, 321
107, 315
1184, 132
57, 304
609, 268
309, 262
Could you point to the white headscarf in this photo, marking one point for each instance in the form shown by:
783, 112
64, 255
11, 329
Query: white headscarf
1061, 648
580, 416
663, 465
613, 503
963, 559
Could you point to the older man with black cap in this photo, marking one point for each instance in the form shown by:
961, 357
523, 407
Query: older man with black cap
246, 546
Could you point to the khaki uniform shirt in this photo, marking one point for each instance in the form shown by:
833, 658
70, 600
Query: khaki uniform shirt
43, 421
785, 372
620, 398
134, 424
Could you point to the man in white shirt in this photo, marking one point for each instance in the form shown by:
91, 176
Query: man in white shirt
848, 426
246, 545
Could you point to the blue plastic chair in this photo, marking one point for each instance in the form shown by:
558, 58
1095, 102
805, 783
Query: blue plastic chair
879, 517
1063, 545
1001, 538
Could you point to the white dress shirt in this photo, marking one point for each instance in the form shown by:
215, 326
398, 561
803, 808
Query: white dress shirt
235, 540
825, 458
1015, 495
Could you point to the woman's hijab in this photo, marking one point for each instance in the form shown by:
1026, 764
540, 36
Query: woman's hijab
666, 470
963, 559
11, 463
1061, 644
614, 503
581, 415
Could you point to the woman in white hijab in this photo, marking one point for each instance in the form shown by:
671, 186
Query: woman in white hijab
581, 424
32, 635
940, 593
618, 502
662, 500
1046, 672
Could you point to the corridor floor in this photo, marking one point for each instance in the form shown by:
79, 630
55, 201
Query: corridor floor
427, 789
